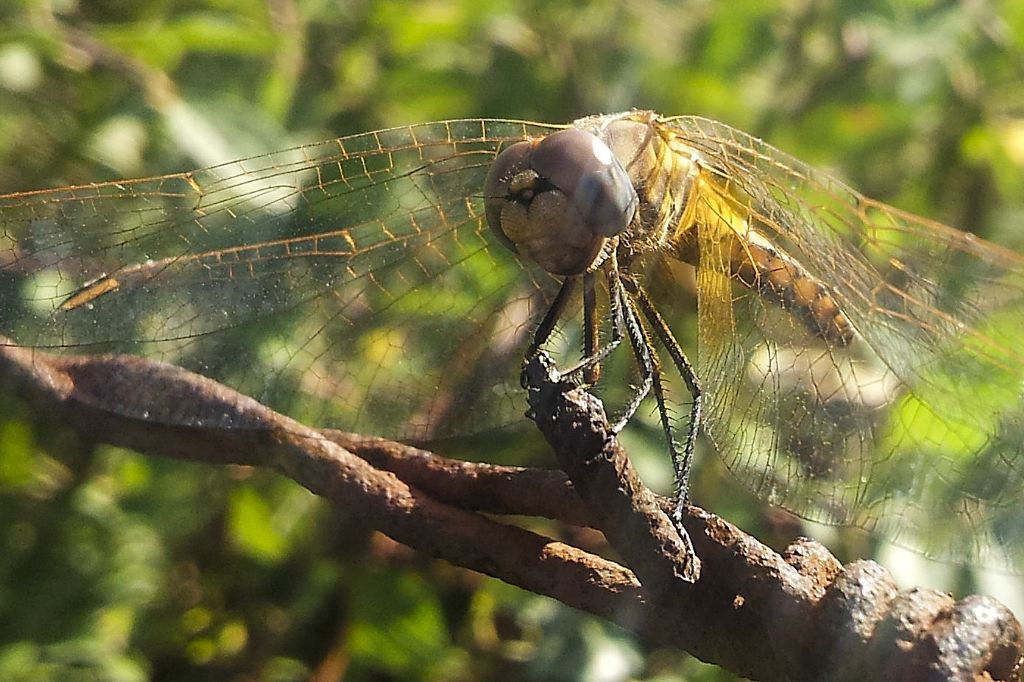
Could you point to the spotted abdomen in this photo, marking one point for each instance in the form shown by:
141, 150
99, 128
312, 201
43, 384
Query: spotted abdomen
715, 220
760, 266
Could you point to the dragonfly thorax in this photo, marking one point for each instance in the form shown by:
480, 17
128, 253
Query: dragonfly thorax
558, 200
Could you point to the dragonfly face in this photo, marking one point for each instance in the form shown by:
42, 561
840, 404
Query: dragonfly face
558, 199
858, 365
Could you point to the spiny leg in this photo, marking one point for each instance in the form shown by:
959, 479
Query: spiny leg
681, 462
551, 317
623, 316
590, 328
658, 388
594, 357
644, 353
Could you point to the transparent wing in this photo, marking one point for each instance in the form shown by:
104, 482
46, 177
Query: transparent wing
916, 428
350, 283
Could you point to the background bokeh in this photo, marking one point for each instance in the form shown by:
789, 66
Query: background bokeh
119, 566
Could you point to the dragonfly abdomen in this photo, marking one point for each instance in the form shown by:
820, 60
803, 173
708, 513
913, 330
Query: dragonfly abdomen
715, 221
778, 277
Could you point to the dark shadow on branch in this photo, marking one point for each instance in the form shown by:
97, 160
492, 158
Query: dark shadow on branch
798, 615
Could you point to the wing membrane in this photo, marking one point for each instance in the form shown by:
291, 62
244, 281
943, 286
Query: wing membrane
922, 416
329, 281
353, 283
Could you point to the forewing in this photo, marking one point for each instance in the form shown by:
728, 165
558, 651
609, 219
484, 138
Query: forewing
916, 428
351, 283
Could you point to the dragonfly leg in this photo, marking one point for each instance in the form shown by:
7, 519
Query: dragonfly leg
594, 355
646, 359
591, 337
551, 317
681, 461
589, 367
650, 367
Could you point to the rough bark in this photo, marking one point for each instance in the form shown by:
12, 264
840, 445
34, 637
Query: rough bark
798, 615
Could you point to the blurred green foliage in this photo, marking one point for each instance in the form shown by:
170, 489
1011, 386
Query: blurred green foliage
123, 567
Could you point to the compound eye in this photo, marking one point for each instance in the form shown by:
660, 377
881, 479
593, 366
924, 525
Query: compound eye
498, 189
583, 168
557, 200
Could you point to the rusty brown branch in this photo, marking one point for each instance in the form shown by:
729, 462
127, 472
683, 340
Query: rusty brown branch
471, 485
799, 615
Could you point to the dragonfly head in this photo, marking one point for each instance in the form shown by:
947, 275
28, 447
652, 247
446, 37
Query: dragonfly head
557, 200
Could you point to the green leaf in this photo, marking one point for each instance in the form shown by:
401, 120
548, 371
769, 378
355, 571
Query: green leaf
398, 625
251, 527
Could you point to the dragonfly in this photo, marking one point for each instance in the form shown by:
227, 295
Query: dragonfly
853, 363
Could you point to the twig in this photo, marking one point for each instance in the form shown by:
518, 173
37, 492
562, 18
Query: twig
799, 615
